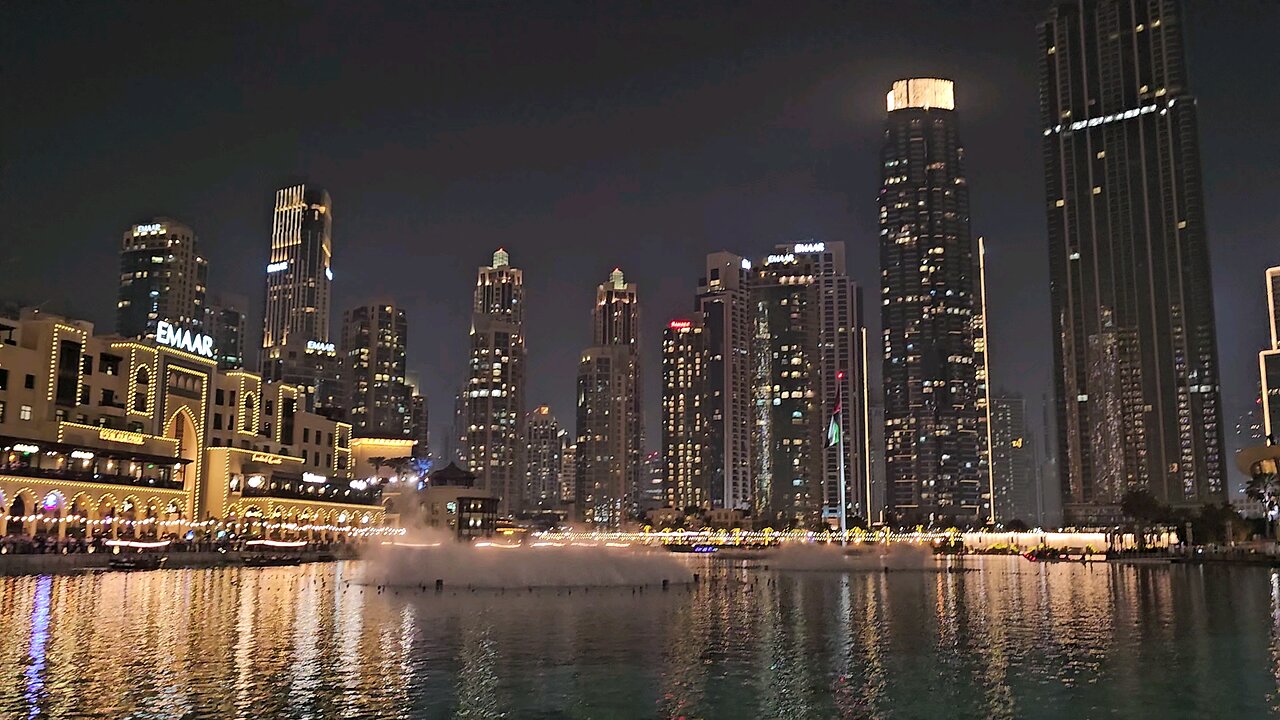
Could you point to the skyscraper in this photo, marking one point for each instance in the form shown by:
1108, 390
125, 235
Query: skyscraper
933, 413
224, 322
1269, 362
493, 434
724, 303
296, 348
807, 360
686, 450
610, 430
1135, 356
1013, 461
162, 278
545, 453
569, 474
420, 426
373, 356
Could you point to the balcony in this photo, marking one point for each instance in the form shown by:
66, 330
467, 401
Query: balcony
61, 461
286, 487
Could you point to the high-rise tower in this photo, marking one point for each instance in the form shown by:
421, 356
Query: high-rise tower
492, 403
807, 360
686, 451
610, 430
224, 322
162, 279
724, 303
545, 456
1013, 462
933, 402
373, 356
296, 348
1135, 357
1269, 363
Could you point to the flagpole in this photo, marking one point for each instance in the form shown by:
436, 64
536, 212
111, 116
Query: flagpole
840, 436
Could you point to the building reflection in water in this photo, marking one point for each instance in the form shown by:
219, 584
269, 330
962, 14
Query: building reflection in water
34, 674
1007, 639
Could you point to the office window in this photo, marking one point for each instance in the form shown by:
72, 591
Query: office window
4, 379
30, 382
24, 413
1, 411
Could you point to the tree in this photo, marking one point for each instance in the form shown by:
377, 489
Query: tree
1216, 523
1144, 509
1264, 486
1017, 525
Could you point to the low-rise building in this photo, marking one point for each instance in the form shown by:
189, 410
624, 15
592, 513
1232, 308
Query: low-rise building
102, 435
451, 501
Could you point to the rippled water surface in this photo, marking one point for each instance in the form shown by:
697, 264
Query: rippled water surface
1010, 639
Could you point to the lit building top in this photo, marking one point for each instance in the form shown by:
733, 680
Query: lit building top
926, 93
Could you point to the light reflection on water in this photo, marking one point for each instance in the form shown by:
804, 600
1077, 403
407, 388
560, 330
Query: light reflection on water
1010, 640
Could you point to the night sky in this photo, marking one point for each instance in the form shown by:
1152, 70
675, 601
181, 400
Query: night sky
578, 137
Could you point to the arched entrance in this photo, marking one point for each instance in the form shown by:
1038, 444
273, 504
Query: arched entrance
182, 427
129, 517
79, 515
49, 520
17, 515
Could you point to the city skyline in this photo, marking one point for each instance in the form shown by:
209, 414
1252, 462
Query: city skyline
236, 229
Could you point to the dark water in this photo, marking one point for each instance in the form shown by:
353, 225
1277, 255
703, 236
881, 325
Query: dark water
1010, 640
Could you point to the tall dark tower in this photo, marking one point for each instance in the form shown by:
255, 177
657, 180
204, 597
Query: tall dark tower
1135, 359
162, 279
928, 266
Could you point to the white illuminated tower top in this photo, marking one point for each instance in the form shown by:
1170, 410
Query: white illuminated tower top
617, 313
924, 93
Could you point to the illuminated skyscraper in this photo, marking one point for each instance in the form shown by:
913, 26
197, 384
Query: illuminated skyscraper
1269, 362
373, 357
724, 303
610, 430
162, 278
493, 432
569, 474
296, 348
686, 450
545, 455
807, 359
934, 401
1135, 355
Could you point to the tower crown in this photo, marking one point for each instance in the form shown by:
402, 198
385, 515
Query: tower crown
924, 93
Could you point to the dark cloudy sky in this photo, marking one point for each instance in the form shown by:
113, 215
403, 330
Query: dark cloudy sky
579, 136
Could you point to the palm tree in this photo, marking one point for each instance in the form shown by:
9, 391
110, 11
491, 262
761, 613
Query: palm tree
1264, 486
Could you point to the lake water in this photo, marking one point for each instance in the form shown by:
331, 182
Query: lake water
1010, 639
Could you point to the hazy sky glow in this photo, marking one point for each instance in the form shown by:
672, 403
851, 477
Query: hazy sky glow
577, 137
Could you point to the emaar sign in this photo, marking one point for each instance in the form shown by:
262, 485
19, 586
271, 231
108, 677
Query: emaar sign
183, 339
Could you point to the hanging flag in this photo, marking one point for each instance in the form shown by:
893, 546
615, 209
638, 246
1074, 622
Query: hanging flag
833, 430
